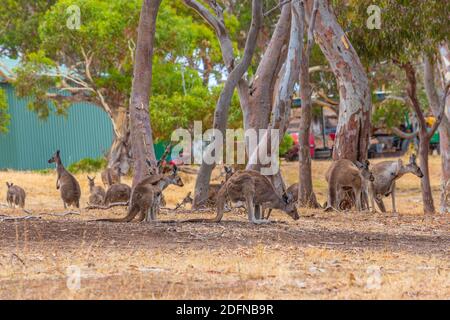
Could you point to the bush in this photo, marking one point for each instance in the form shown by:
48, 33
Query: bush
88, 165
286, 144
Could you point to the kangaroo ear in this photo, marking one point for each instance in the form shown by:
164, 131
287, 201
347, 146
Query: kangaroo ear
57, 153
8, 185
149, 163
367, 163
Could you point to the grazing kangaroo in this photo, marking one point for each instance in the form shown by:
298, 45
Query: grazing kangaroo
118, 192
66, 183
111, 176
344, 174
386, 173
291, 192
255, 190
15, 196
146, 197
97, 193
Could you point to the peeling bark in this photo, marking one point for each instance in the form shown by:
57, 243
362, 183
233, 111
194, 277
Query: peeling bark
352, 136
141, 132
119, 154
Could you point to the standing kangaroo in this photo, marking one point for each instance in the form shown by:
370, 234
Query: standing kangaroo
255, 190
111, 176
97, 193
15, 196
386, 173
66, 183
344, 174
146, 196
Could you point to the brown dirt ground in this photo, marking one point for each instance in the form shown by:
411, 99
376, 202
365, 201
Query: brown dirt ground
320, 256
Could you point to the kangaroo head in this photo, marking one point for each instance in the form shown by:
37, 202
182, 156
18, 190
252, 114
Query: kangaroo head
9, 185
364, 170
290, 206
55, 158
175, 178
413, 167
91, 181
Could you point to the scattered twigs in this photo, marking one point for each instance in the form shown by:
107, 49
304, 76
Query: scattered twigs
8, 218
185, 201
111, 205
13, 255
63, 214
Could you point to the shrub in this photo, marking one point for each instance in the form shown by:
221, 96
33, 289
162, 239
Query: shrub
87, 165
286, 144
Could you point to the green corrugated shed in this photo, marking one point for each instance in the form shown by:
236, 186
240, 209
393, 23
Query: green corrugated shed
85, 132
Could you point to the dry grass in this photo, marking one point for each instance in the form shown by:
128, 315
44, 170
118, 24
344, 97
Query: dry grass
320, 256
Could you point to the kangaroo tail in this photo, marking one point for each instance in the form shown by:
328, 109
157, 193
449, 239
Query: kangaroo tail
132, 212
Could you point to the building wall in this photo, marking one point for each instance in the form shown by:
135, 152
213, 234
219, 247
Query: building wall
85, 132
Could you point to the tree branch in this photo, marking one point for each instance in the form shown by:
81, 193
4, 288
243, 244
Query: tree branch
404, 135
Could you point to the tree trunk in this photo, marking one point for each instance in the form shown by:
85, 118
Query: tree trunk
257, 114
353, 130
424, 137
119, 154
306, 196
427, 196
141, 131
444, 135
223, 104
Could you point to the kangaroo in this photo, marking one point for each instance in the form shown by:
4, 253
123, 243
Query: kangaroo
255, 190
111, 176
146, 197
118, 192
386, 173
97, 193
66, 183
344, 174
214, 188
291, 192
15, 196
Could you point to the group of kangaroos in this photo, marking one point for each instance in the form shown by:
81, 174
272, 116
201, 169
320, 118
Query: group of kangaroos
348, 183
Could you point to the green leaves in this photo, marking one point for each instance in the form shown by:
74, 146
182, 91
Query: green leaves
4, 115
408, 28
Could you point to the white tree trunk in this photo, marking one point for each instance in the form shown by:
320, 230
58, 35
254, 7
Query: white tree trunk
352, 136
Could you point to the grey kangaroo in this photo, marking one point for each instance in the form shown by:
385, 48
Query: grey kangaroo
66, 183
146, 196
15, 196
344, 174
386, 173
97, 193
255, 190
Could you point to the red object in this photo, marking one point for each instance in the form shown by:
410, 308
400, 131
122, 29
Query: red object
312, 143
333, 136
